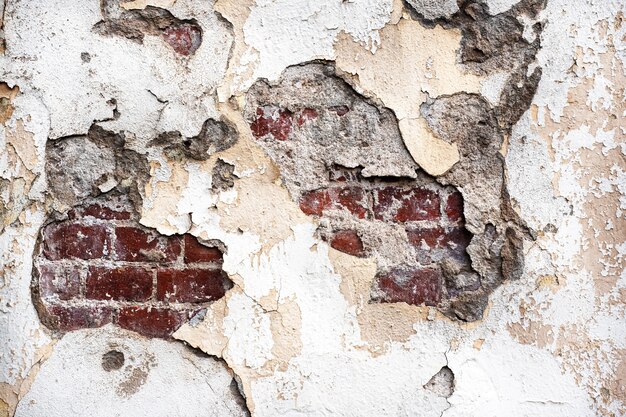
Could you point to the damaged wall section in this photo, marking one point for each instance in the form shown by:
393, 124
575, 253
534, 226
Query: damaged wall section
96, 264
342, 158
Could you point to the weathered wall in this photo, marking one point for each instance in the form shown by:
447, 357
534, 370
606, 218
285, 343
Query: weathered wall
293, 207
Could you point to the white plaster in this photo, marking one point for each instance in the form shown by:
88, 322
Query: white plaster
158, 378
500, 6
287, 32
45, 55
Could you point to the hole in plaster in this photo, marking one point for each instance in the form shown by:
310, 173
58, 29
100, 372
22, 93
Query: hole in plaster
183, 36
343, 159
442, 383
112, 360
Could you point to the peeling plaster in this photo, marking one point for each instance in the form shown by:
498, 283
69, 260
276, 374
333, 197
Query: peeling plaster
297, 330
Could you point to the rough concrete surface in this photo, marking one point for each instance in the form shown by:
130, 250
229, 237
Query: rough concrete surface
312, 208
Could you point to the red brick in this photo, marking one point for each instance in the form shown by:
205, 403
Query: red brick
432, 237
315, 202
351, 198
415, 286
151, 322
403, 205
454, 207
137, 245
348, 241
272, 120
185, 38
72, 240
197, 252
190, 285
70, 318
306, 115
126, 283
62, 281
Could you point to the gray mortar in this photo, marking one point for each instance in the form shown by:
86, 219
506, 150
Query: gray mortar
77, 167
215, 136
434, 9
489, 43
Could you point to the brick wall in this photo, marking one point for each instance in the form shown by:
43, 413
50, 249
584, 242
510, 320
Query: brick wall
430, 214
101, 266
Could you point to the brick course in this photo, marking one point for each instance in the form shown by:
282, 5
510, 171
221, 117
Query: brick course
430, 214
101, 266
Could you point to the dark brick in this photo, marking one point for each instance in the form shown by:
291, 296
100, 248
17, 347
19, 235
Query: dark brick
454, 206
306, 115
126, 283
151, 322
197, 252
190, 285
457, 241
403, 205
70, 318
414, 286
185, 38
348, 241
73, 240
137, 245
274, 120
62, 281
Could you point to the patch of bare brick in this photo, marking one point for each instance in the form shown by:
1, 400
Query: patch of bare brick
100, 266
430, 216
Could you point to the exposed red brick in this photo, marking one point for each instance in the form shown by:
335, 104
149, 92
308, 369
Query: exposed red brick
315, 202
60, 280
454, 206
352, 198
402, 205
416, 286
197, 252
348, 241
272, 120
151, 322
136, 245
340, 110
126, 283
306, 115
432, 237
185, 38
190, 285
72, 240
70, 318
